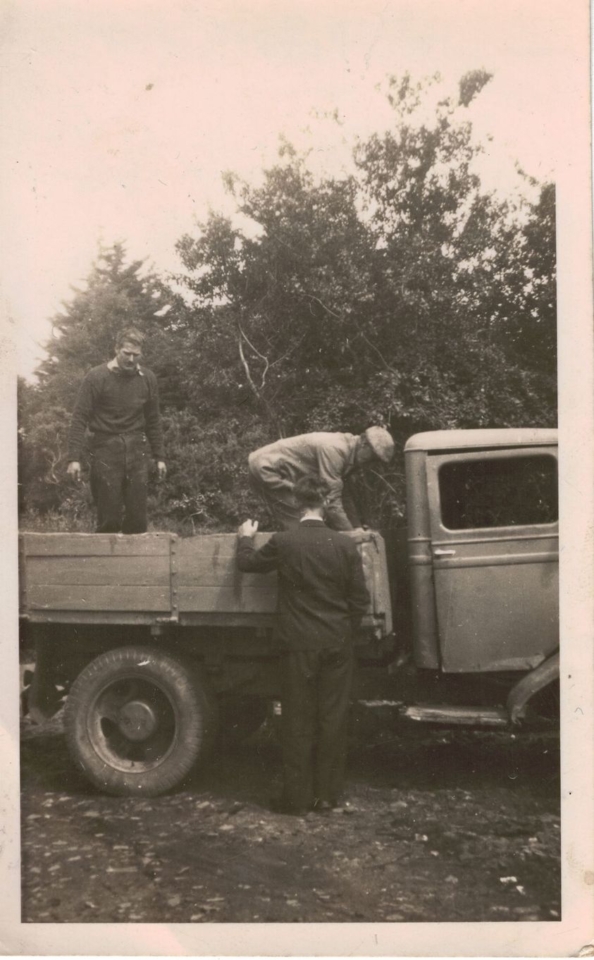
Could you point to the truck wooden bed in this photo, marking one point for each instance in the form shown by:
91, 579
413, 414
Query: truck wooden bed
158, 578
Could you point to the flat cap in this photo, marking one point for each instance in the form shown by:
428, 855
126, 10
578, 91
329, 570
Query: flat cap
380, 442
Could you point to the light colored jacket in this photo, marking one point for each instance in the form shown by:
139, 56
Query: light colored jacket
330, 456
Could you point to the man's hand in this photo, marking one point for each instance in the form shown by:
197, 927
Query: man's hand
248, 528
161, 470
362, 534
73, 469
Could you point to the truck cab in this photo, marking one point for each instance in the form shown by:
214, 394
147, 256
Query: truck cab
483, 551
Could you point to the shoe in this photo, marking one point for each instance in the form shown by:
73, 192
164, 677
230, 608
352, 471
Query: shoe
324, 806
281, 806
333, 806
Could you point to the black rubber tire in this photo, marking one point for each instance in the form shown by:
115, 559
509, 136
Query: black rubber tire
240, 717
168, 697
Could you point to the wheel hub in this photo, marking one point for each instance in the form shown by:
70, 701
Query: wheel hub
137, 720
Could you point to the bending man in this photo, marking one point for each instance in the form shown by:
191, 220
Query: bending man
332, 457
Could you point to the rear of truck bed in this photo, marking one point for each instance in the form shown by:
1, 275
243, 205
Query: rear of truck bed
159, 578
159, 642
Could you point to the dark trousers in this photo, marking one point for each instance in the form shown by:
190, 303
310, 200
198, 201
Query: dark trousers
280, 503
316, 688
119, 476
283, 507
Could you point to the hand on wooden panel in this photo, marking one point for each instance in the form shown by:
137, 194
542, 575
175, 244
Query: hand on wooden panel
73, 470
248, 528
362, 534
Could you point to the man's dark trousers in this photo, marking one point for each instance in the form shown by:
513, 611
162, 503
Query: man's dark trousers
322, 598
119, 477
316, 686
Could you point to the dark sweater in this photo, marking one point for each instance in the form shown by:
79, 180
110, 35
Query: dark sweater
111, 402
322, 595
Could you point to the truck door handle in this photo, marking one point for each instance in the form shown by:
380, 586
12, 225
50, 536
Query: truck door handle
444, 553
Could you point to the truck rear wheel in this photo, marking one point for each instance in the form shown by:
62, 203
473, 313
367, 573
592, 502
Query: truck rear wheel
137, 720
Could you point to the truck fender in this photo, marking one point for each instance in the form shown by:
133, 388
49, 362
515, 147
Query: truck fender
531, 683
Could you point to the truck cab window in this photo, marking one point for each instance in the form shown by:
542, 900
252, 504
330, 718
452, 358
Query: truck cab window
508, 492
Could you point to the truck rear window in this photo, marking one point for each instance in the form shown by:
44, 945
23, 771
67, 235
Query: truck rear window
515, 491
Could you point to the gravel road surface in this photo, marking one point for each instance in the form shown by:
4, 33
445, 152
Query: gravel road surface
440, 826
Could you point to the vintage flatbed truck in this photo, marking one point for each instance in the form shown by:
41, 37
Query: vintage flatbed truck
159, 644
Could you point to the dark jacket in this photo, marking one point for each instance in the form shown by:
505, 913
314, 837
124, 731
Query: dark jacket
110, 402
321, 593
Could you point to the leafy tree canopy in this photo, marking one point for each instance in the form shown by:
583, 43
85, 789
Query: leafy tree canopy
401, 293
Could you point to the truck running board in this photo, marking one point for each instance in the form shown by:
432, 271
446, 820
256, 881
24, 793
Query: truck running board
469, 716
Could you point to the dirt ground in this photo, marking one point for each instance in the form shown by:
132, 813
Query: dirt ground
440, 826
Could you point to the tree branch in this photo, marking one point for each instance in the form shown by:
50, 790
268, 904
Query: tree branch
337, 316
373, 347
383, 479
247, 369
54, 461
360, 332
257, 352
289, 351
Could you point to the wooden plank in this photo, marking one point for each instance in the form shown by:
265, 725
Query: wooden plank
217, 546
225, 600
94, 617
101, 571
206, 552
210, 561
94, 597
205, 574
97, 544
259, 619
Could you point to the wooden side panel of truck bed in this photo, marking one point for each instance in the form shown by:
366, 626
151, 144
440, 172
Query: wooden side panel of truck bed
78, 577
159, 577
209, 581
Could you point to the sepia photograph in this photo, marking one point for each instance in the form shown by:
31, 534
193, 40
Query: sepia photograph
297, 369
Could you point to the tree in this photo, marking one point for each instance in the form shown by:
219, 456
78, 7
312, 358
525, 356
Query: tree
528, 325
382, 296
399, 293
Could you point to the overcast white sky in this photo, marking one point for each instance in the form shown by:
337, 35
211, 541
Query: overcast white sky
118, 116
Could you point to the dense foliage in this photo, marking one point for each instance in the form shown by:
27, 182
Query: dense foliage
400, 293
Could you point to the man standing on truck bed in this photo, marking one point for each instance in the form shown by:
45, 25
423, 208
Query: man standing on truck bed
118, 402
332, 457
321, 600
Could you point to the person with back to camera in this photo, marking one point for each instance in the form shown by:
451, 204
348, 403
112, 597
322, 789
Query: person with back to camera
333, 457
322, 598
118, 402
